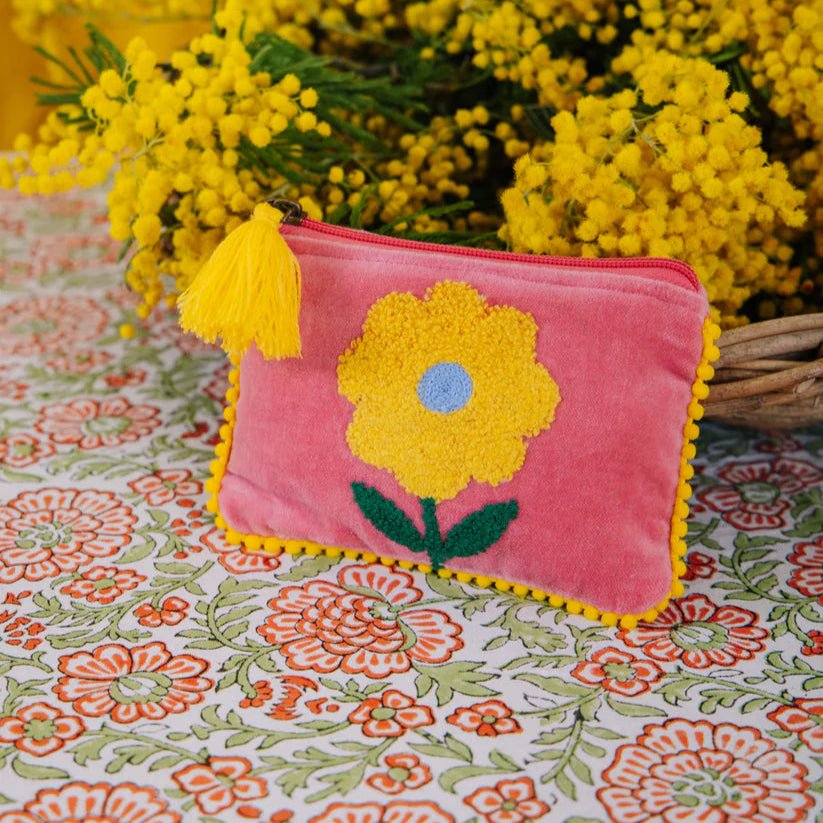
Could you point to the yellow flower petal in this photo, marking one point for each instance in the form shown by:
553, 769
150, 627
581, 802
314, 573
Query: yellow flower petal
433, 453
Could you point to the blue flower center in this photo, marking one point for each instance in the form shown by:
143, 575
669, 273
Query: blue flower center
445, 388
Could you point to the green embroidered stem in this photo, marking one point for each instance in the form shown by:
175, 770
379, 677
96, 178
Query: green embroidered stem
472, 535
432, 538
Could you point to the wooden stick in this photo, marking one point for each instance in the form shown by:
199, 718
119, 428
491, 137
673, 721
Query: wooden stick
767, 364
777, 344
767, 328
767, 383
786, 418
749, 407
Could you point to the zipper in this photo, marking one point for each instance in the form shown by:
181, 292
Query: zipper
293, 216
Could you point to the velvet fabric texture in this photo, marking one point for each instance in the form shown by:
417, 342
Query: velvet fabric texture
597, 490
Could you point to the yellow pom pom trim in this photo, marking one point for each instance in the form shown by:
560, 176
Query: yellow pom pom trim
680, 511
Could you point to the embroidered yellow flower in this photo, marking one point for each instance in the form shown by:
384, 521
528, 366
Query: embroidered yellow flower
446, 390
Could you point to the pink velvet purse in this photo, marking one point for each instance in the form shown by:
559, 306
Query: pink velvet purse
514, 420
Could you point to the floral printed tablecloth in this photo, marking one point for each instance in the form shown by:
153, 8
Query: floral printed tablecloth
151, 673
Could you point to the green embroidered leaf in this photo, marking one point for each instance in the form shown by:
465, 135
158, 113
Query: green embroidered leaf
479, 530
386, 517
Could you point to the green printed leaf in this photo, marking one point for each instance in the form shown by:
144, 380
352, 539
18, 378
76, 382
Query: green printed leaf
451, 777
137, 552
387, 517
503, 761
810, 526
449, 587
565, 785
756, 705
635, 709
549, 754
555, 685
554, 736
603, 733
166, 762
581, 771
19, 477
531, 633
319, 725
479, 530
175, 568
89, 750
459, 677
31, 771
591, 749
309, 567
240, 739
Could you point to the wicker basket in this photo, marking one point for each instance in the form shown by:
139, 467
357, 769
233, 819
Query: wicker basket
770, 374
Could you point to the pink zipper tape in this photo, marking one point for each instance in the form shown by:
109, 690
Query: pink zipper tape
361, 236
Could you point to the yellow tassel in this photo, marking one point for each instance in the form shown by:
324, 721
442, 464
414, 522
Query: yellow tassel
248, 292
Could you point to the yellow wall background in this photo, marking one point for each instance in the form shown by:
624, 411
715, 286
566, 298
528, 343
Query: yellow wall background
19, 62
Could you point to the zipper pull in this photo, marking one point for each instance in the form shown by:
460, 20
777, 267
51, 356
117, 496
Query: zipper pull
292, 212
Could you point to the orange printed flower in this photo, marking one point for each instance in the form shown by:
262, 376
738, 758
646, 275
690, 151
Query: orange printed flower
808, 578
699, 634
164, 485
130, 684
47, 532
405, 772
79, 802
805, 719
19, 630
234, 559
172, 610
684, 771
397, 811
698, 565
262, 694
510, 801
220, 783
291, 688
360, 625
12, 390
132, 377
40, 729
618, 672
91, 424
80, 361
390, 715
753, 496
32, 325
22, 631
487, 719
76, 250
21, 450
216, 387
816, 645
102, 584
122, 297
